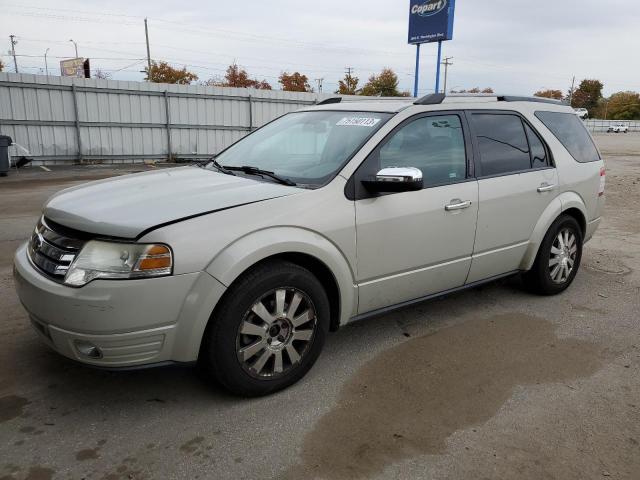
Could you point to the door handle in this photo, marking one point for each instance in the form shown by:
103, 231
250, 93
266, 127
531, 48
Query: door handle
545, 187
457, 205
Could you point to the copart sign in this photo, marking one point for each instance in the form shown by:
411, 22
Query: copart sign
430, 20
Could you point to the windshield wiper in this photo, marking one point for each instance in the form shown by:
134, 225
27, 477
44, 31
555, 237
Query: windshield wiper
249, 170
219, 167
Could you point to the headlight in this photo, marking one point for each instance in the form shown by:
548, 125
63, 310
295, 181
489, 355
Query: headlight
99, 259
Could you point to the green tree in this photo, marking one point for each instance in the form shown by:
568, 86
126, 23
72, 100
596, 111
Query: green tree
295, 82
238, 77
348, 85
385, 84
587, 95
162, 72
623, 106
549, 93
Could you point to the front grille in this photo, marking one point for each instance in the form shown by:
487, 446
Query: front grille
52, 251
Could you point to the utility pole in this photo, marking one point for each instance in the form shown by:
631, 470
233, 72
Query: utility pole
13, 51
319, 81
46, 66
446, 62
146, 34
573, 84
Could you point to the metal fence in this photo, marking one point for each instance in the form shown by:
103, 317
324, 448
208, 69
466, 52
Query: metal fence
65, 120
596, 125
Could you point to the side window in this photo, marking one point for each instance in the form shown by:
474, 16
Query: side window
502, 143
539, 156
571, 132
434, 144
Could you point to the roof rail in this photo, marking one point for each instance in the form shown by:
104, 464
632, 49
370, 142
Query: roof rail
514, 98
329, 101
438, 98
432, 99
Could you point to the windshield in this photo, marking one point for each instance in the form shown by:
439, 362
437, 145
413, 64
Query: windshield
308, 148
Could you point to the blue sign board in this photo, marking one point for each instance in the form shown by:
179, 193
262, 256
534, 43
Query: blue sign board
430, 20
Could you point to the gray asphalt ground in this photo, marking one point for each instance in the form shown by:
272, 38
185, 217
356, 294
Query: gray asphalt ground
491, 383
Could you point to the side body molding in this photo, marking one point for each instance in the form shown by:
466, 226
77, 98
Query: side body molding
250, 249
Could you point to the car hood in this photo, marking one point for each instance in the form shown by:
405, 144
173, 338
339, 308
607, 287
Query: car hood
129, 205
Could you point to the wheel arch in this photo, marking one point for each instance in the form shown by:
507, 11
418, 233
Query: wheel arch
308, 249
569, 203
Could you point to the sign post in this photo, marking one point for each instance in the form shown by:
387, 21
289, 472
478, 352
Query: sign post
430, 21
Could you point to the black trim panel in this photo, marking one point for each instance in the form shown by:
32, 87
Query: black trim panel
391, 308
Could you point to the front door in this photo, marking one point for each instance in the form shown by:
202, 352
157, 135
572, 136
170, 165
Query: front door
413, 244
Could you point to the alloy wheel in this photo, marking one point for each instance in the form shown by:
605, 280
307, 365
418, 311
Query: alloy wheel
563, 256
276, 333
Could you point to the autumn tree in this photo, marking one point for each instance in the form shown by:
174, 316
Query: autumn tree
1, 66
548, 93
587, 95
295, 82
238, 77
385, 84
623, 106
162, 72
348, 85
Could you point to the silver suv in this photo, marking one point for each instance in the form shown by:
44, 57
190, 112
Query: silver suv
324, 216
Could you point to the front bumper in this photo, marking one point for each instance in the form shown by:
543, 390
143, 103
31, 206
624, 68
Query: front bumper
131, 322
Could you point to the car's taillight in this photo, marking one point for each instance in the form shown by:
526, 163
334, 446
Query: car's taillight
603, 176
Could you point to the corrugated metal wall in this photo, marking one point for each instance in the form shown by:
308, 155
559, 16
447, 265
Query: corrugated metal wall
62, 120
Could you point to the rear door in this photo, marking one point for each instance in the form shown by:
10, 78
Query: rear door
516, 182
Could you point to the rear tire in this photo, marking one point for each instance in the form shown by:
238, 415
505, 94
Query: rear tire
558, 258
268, 331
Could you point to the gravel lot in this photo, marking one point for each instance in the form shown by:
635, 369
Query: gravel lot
488, 383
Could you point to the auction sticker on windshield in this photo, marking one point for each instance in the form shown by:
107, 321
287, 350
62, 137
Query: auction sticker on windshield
358, 122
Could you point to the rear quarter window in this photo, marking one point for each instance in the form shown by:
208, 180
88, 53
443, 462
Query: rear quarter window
573, 135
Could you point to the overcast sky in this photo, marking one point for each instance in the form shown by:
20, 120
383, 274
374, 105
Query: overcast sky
514, 46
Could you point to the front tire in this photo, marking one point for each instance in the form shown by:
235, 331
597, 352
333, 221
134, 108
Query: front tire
558, 258
268, 331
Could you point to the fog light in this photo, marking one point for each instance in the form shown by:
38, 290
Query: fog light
88, 349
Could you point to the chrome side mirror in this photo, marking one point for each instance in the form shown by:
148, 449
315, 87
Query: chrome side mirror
395, 179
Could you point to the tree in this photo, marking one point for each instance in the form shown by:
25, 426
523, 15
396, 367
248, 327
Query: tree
623, 106
295, 82
238, 77
1, 66
162, 72
101, 74
548, 93
348, 85
587, 95
385, 84
487, 90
